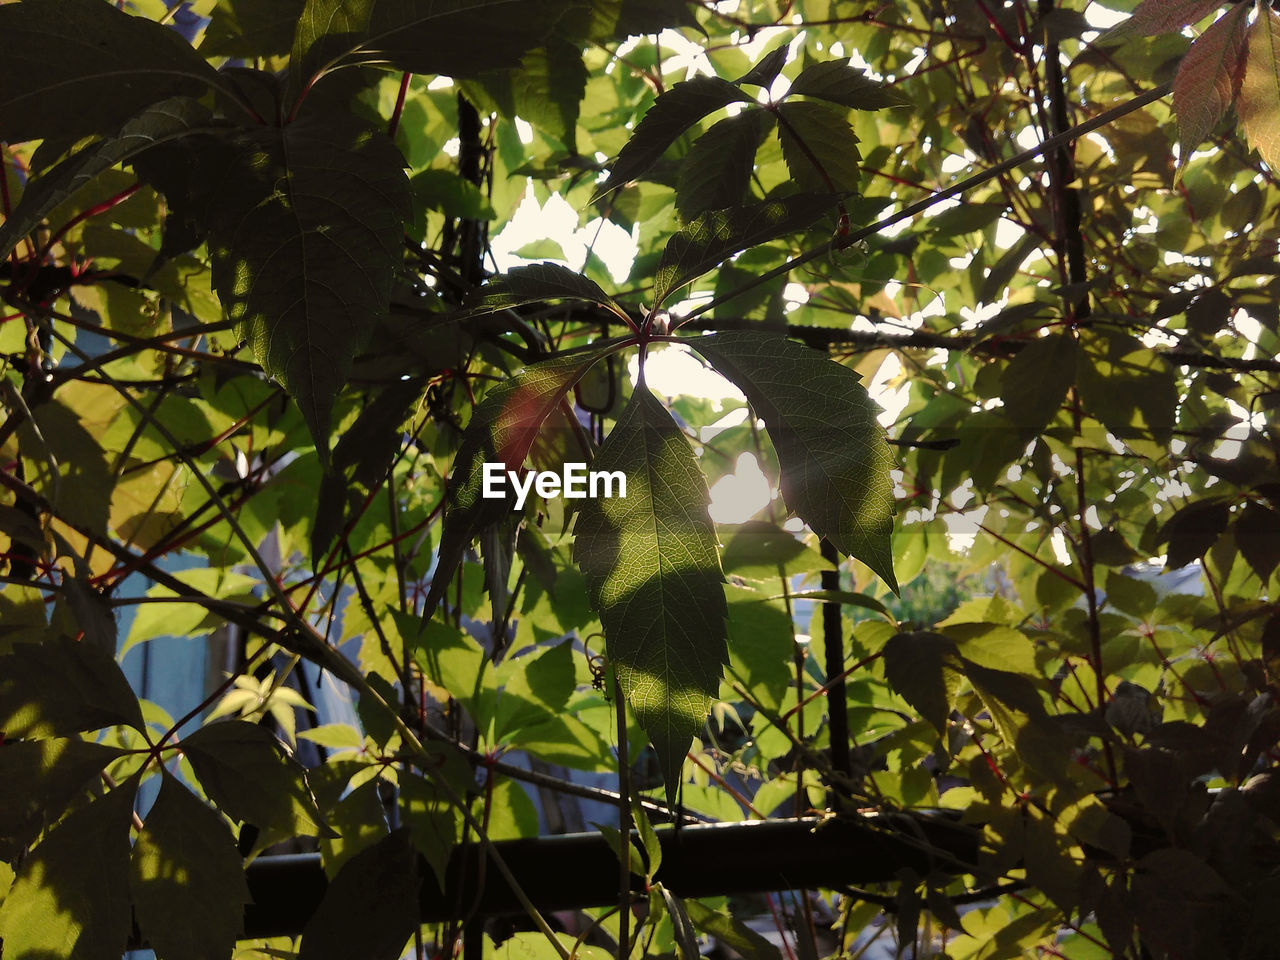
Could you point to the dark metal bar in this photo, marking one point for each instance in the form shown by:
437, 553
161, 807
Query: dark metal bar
580, 870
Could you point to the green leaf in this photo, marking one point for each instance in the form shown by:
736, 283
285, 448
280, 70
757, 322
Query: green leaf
732, 933
924, 669
716, 171
306, 270
187, 882
379, 886
654, 575
158, 123
819, 147
52, 774
245, 771
71, 897
1208, 80
718, 234
671, 115
69, 68
837, 81
841, 490
59, 687
1259, 103
503, 428
1035, 383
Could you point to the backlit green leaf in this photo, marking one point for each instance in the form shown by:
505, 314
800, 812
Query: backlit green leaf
654, 575
842, 490
187, 882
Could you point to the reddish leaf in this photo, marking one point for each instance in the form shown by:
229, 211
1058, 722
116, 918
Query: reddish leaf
1259, 103
1165, 16
1208, 80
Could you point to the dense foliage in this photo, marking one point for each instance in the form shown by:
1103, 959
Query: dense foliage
253, 320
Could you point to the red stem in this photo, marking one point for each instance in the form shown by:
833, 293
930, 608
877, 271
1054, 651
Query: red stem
84, 215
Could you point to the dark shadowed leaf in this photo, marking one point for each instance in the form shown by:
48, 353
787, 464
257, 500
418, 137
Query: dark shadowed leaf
306, 270
837, 81
187, 882
52, 773
653, 573
923, 668
1258, 536
819, 146
538, 282
94, 614
841, 490
249, 28
1208, 80
717, 235
59, 687
456, 38
1036, 381
671, 115
716, 171
245, 771
759, 550
69, 68
71, 897
637, 17
767, 68
1192, 531
379, 886
741, 938
551, 84
158, 123
502, 430
1259, 103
